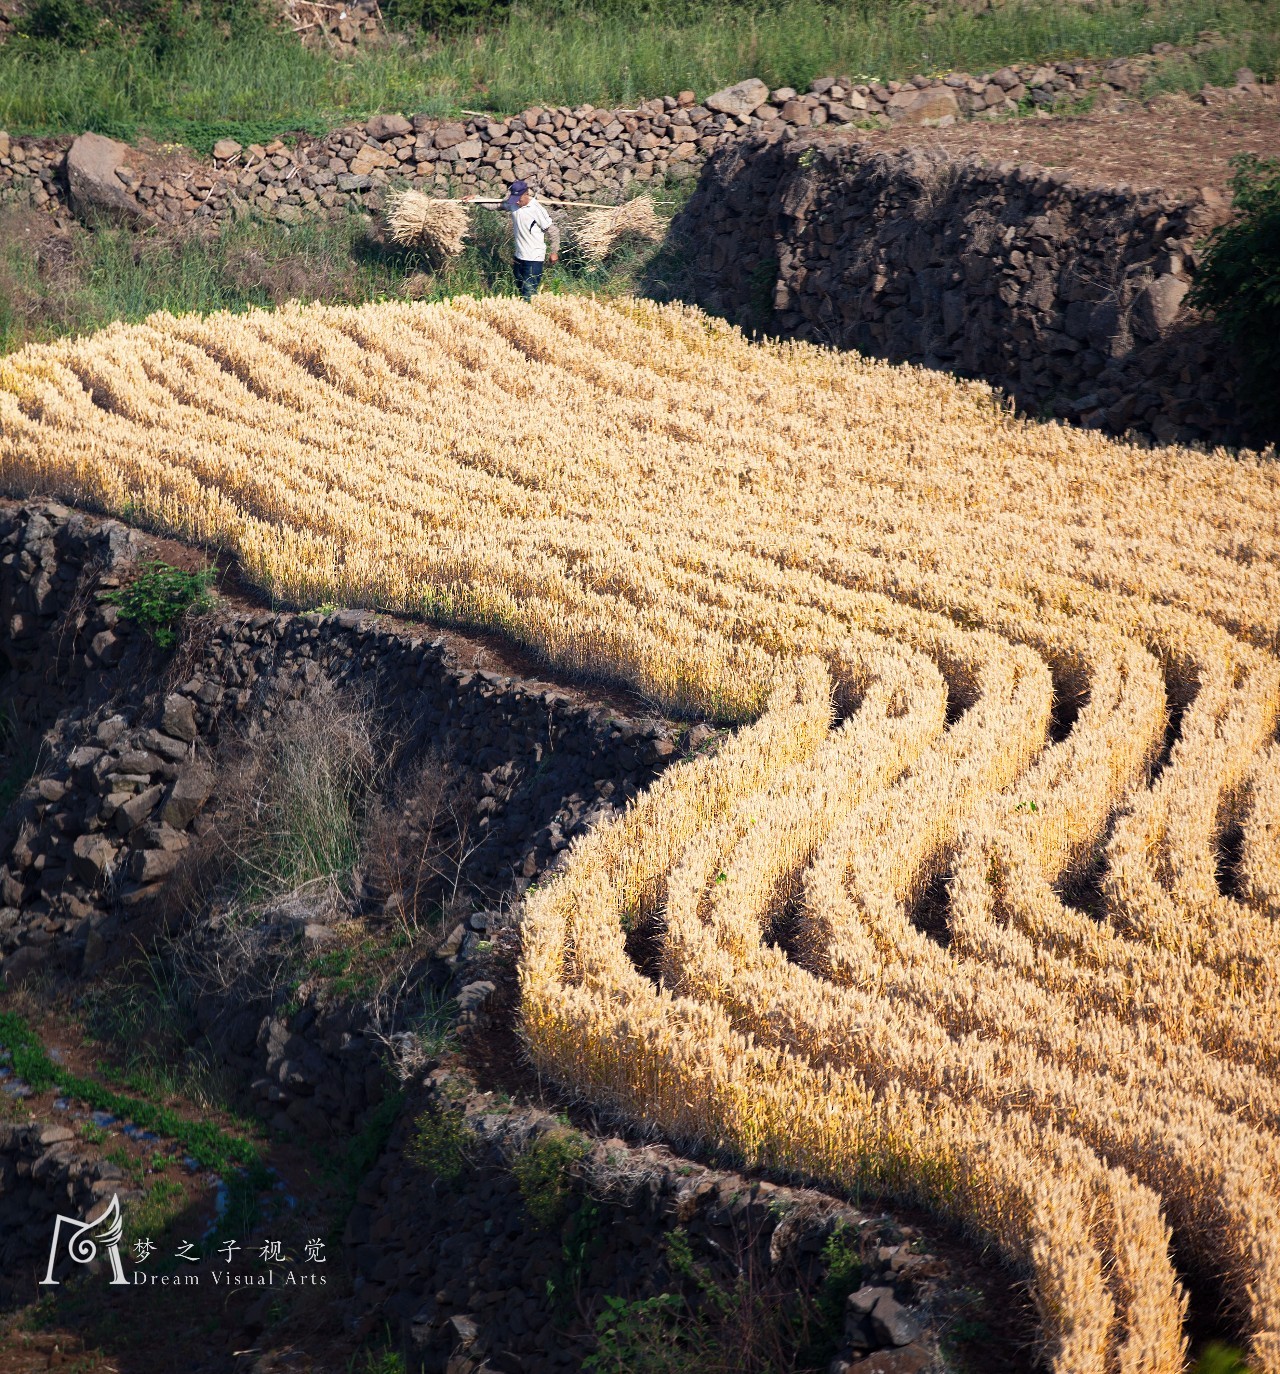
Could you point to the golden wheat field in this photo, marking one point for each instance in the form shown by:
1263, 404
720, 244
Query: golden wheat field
1024, 666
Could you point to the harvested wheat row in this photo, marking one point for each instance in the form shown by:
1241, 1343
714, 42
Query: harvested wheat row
1006, 693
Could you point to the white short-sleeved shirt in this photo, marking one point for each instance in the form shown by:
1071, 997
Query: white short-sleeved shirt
530, 221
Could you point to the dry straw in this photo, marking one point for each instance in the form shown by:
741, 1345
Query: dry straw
418, 221
601, 228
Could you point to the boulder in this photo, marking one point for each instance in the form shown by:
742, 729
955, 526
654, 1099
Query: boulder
226, 148
179, 719
448, 135
91, 177
936, 106
892, 1323
1157, 307
186, 796
388, 126
741, 100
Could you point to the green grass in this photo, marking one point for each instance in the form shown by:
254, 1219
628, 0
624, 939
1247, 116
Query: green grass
1216, 67
260, 81
209, 1145
62, 286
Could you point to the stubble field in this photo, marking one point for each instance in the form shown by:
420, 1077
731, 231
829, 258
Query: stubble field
978, 905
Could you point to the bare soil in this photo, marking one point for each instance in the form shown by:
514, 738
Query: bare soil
1175, 143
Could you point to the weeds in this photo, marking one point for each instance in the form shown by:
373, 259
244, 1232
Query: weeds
209, 1145
251, 80
544, 1174
294, 804
160, 597
443, 1144
145, 1016
843, 1268
416, 843
743, 1326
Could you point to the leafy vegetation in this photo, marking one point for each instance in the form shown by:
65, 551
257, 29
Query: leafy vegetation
705, 1325
209, 1145
1239, 280
161, 597
544, 1174
188, 75
443, 1144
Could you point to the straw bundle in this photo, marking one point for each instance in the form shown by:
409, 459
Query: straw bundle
419, 221
599, 229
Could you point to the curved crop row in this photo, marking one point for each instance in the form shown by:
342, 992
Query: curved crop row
978, 905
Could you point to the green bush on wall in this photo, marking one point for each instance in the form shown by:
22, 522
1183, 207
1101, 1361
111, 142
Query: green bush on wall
1239, 280
161, 597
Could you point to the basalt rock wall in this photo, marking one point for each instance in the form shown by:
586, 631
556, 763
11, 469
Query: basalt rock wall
125, 761
1070, 297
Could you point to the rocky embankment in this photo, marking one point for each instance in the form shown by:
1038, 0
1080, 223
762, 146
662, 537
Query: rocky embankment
568, 152
1069, 296
127, 780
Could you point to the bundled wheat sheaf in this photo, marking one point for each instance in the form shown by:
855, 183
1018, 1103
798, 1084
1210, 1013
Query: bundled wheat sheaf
419, 221
1021, 669
598, 230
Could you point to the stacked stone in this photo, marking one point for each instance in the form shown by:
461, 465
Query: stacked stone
1068, 296
45, 1170
463, 1272
30, 171
119, 798
569, 153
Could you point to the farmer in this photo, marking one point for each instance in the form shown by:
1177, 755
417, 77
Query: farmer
535, 232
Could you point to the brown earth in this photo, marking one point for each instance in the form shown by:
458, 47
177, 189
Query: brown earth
1175, 142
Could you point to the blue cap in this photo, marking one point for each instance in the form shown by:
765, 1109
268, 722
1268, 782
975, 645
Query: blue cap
518, 188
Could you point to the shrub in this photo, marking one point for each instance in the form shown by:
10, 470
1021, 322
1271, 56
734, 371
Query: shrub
544, 1175
442, 1143
1239, 280
161, 597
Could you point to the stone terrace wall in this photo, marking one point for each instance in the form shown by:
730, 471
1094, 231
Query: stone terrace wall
1068, 296
472, 1286
568, 153
128, 773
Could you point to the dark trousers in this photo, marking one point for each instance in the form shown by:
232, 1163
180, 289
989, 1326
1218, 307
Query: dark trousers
528, 275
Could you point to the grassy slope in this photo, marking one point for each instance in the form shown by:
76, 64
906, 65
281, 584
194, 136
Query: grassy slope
54, 284
262, 80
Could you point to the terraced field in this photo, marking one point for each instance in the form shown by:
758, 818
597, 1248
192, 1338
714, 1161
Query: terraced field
978, 906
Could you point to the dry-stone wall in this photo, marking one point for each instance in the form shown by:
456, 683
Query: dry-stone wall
45, 1169
465, 1272
128, 774
568, 153
1067, 295
474, 1285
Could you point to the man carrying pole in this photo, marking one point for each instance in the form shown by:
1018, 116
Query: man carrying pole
537, 237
